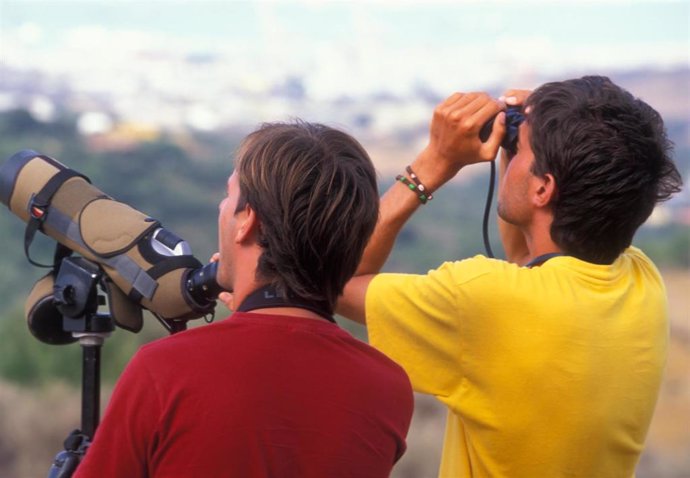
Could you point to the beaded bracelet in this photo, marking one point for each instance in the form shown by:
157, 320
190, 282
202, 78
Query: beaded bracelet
423, 198
419, 184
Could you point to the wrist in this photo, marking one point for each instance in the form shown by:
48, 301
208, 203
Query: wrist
432, 169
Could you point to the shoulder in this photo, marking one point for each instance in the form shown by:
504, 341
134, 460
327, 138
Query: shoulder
637, 256
187, 347
476, 269
640, 265
631, 264
376, 369
381, 376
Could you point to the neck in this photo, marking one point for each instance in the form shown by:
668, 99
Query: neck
244, 277
287, 311
539, 242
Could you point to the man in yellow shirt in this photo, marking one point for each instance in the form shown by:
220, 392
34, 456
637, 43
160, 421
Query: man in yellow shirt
549, 362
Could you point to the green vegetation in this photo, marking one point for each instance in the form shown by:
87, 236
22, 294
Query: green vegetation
180, 180
28, 361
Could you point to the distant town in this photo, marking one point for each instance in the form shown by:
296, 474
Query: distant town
162, 93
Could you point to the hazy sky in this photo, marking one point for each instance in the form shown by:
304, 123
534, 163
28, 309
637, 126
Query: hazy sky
354, 46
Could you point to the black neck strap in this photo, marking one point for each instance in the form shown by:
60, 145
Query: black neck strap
539, 260
267, 296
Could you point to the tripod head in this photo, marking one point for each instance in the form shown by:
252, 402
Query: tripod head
75, 295
65, 303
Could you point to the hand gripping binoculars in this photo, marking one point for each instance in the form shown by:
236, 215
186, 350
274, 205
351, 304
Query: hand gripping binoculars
144, 264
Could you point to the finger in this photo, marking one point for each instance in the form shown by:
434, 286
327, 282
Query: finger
515, 97
451, 99
478, 102
470, 103
469, 98
486, 108
521, 94
489, 149
454, 107
463, 114
215, 257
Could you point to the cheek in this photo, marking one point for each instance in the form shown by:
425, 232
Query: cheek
516, 167
223, 229
224, 215
507, 175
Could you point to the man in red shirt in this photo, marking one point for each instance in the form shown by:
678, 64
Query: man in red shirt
277, 389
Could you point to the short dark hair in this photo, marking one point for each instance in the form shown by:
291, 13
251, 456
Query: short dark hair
315, 194
611, 160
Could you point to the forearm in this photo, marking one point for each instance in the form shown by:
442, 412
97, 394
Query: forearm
351, 303
397, 206
453, 143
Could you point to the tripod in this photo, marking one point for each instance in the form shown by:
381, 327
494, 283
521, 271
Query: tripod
76, 297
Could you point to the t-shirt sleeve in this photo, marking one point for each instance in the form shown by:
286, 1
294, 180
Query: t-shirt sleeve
126, 434
414, 320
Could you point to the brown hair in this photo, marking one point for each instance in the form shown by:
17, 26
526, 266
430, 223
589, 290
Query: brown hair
611, 159
314, 191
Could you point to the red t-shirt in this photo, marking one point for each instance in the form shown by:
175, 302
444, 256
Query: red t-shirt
254, 396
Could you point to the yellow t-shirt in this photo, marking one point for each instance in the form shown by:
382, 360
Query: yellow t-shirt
552, 371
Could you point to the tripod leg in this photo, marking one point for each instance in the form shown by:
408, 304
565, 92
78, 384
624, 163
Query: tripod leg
91, 388
78, 441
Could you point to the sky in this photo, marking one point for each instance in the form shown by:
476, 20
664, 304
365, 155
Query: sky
353, 47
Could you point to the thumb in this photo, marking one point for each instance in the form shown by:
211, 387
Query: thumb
490, 147
227, 298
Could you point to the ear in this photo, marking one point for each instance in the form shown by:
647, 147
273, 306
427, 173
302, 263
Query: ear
546, 190
247, 225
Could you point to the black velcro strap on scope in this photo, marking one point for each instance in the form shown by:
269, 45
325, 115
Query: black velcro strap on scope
172, 263
169, 264
38, 207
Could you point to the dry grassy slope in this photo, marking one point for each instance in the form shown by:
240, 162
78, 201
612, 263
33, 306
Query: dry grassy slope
668, 443
34, 422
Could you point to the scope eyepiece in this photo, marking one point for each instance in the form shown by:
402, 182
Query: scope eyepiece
202, 286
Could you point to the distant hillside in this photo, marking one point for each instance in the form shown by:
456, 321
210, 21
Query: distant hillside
667, 91
179, 178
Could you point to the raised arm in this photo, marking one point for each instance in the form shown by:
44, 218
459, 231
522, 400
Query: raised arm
453, 143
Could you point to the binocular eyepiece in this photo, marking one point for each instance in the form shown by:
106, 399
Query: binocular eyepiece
514, 118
